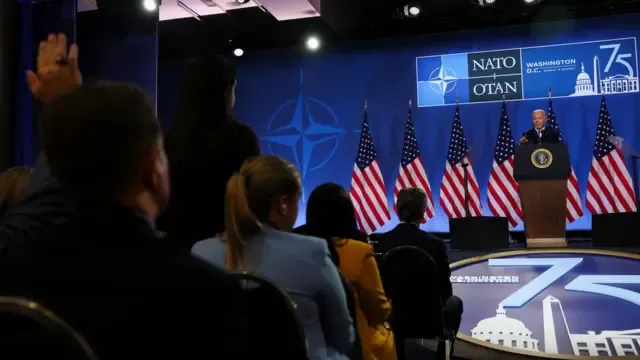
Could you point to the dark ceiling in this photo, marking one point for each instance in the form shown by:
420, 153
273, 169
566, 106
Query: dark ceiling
349, 20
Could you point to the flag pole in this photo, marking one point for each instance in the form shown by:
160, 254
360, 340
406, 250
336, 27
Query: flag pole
549, 93
365, 105
464, 165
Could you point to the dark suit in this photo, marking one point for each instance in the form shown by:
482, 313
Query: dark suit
406, 234
199, 175
43, 205
549, 135
132, 295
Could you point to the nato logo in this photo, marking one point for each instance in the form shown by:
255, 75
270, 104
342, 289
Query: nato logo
471, 77
306, 130
579, 303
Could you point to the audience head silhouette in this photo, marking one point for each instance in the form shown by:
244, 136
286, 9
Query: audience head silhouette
103, 143
206, 98
12, 184
330, 214
411, 204
265, 191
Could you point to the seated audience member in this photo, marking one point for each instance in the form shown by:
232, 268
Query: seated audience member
104, 270
357, 234
261, 207
43, 203
12, 184
411, 204
206, 144
331, 216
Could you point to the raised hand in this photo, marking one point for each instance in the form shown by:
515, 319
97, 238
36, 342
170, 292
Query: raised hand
523, 140
57, 70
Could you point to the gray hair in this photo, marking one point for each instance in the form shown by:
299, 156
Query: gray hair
539, 110
411, 204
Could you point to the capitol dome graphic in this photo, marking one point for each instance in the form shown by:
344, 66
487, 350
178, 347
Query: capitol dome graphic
594, 84
505, 331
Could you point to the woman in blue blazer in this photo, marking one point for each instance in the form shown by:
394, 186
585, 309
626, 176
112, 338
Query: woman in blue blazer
261, 207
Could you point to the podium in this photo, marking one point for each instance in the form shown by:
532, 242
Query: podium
542, 172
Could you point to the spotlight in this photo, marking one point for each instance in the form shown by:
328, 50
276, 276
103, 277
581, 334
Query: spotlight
531, 2
242, 1
238, 52
484, 2
412, 10
150, 5
313, 43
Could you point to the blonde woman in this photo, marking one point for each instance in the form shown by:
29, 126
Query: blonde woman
261, 207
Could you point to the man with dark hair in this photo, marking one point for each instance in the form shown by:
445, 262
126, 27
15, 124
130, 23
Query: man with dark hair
411, 205
104, 270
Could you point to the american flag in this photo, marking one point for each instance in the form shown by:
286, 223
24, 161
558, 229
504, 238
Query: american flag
609, 186
503, 197
367, 186
412, 172
452, 189
574, 203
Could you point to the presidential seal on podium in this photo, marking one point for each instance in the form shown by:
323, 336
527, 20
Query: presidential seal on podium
541, 158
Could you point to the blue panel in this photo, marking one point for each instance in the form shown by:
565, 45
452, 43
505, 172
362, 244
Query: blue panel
337, 82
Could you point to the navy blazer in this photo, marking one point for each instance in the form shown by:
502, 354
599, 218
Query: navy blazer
43, 205
549, 135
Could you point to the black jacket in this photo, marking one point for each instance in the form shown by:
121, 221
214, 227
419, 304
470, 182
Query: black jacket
549, 135
129, 293
410, 235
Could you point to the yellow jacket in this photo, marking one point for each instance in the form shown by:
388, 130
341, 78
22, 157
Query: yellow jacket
359, 266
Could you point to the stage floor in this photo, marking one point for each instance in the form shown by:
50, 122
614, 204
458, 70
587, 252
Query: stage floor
457, 255
589, 312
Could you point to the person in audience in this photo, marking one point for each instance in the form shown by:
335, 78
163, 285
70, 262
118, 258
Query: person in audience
205, 144
12, 184
411, 205
104, 270
261, 207
43, 203
331, 216
356, 235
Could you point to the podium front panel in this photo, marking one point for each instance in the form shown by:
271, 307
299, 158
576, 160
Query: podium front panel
542, 162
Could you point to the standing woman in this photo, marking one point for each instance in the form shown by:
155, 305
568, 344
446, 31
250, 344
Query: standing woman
331, 216
205, 146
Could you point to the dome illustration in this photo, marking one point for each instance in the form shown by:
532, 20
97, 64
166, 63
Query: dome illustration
505, 331
584, 86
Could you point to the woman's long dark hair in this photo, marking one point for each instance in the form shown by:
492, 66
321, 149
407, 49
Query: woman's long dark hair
330, 214
203, 104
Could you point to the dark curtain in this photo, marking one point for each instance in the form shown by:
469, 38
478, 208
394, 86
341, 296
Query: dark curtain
36, 21
9, 30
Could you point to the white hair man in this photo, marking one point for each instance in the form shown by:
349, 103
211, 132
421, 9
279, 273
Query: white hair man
540, 132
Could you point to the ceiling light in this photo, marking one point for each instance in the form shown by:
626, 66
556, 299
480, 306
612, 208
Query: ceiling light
484, 2
412, 10
313, 43
150, 5
242, 1
238, 52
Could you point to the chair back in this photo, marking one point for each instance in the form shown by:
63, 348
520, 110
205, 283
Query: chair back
30, 331
275, 327
410, 278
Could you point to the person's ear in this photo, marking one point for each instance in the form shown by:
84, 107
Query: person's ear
155, 166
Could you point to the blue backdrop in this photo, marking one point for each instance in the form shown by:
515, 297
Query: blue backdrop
332, 88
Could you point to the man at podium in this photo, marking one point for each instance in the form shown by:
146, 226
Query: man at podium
540, 132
